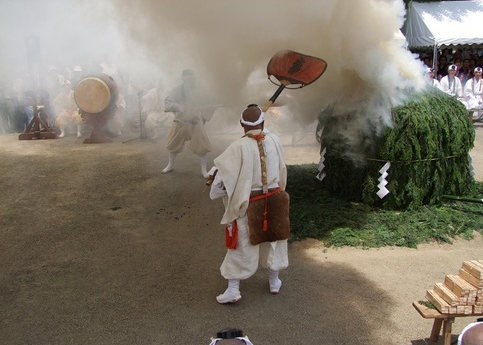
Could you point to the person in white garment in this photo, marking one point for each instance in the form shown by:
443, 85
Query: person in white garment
473, 91
153, 109
451, 84
237, 176
472, 334
191, 111
431, 80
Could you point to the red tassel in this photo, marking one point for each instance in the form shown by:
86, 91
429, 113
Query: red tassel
265, 221
231, 241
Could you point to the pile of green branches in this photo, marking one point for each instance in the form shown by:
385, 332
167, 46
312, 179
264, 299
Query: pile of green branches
314, 213
428, 148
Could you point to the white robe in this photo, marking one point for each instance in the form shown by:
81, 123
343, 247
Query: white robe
239, 173
189, 120
473, 93
453, 88
153, 107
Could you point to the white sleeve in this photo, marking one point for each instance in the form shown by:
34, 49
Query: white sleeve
217, 189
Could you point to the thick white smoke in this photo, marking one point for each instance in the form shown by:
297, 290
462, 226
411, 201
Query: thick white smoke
229, 44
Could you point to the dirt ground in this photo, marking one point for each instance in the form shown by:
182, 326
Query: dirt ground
98, 247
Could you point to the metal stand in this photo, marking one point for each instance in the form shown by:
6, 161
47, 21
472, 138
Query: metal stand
142, 134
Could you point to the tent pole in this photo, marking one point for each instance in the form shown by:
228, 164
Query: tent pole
435, 59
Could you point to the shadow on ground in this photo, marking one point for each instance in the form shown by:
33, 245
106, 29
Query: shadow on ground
98, 247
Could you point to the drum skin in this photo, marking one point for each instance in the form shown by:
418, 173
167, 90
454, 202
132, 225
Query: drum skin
96, 93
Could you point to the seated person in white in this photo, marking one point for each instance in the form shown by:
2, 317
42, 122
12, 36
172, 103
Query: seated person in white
451, 84
430, 78
473, 91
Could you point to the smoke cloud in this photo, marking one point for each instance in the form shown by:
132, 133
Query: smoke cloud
228, 44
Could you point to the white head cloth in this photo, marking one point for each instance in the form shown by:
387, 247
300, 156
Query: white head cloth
245, 339
256, 123
460, 337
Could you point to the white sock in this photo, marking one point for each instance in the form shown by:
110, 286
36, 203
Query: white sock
234, 284
172, 158
273, 275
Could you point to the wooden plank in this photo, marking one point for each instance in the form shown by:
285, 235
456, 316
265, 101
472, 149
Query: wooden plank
454, 284
448, 295
470, 278
438, 302
427, 313
477, 262
472, 290
474, 269
431, 313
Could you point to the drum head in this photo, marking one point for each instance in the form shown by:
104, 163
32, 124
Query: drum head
92, 95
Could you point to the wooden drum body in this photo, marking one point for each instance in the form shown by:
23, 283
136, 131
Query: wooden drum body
96, 96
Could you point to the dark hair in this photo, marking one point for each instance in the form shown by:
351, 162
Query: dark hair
229, 333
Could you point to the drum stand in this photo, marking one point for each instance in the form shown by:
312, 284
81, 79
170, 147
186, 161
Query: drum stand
33, 130
142, 134
98, 122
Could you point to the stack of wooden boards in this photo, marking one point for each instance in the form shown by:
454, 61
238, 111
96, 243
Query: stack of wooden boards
462, 293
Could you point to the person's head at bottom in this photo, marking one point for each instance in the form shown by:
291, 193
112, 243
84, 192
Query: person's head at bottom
230, 342
231, 336
472, 334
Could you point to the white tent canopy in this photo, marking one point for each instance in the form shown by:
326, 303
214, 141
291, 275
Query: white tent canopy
444, 23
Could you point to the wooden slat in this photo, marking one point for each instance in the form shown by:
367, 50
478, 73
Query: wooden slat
474, 269
448, 295
438, 302
472, 290
470, 278
478, 263
454, 284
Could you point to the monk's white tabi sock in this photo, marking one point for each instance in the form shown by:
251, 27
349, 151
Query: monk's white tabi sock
274, 282
169, 167
231, 294
234, 285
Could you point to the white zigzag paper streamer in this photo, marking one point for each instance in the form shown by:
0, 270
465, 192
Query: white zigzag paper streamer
472, 168
383, 191
321, 175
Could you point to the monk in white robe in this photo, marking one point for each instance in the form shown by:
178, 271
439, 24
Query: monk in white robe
186, 102
473, 92
238, 174
451, 85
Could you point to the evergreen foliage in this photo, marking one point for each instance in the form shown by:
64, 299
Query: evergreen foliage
428, 149
316, 214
